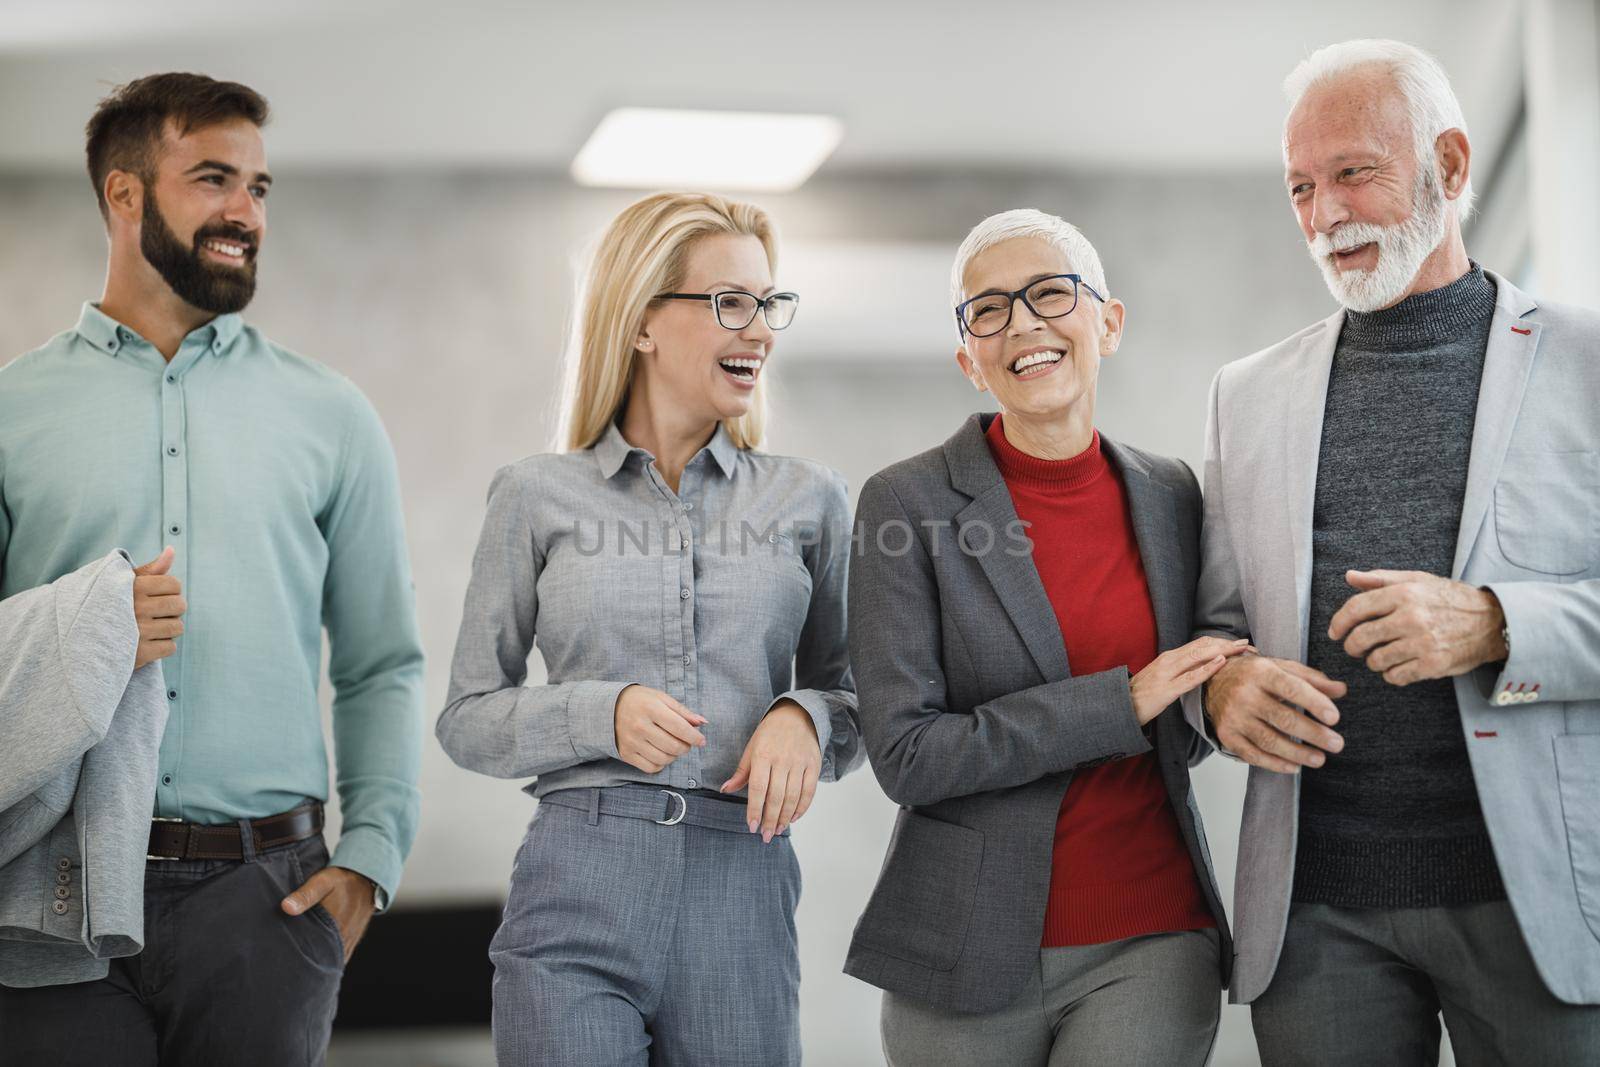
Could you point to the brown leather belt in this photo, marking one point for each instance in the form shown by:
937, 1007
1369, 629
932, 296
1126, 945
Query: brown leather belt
174, 839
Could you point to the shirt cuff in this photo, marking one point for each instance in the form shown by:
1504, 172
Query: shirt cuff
592, 719
816, 706
368, 853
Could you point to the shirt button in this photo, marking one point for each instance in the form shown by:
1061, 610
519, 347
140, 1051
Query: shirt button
772, 539
172, 694
174, 528
683, 594
166, 779
172, 450
688, 507
686, 661
171, 378
684, 543
693, 784
59, 907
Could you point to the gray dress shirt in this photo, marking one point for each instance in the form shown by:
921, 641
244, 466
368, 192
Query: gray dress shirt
728, 594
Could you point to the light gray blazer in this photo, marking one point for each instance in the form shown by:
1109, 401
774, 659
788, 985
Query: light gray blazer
974, 723
1530, 531
79, 733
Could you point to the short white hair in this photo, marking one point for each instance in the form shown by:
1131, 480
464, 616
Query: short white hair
1028, 222
1430, 103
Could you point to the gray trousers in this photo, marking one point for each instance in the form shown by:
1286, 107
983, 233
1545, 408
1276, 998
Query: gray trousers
225, 977
1149, 1001
629, 942
1360, 986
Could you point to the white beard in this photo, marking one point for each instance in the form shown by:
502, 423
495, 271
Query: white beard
1402, 248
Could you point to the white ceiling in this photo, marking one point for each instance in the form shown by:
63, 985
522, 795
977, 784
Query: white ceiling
1140, 84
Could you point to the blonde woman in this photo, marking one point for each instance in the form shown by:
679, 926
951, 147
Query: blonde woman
688, 595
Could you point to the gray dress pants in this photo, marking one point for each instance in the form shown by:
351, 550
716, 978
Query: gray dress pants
629, 942
1360, 986
1151, 1001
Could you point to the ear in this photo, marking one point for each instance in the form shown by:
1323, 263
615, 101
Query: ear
970, 369
124, 193
1111, 317
1453, 155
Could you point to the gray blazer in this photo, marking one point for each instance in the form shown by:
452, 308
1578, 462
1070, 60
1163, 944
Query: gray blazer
1530, 531
974, 723
79, 733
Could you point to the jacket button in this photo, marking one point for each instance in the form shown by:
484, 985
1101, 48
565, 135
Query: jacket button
62, 892
1503, 699
59, 907
63, 864
63, 878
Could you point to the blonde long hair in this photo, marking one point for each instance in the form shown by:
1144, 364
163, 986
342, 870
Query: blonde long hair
643, 254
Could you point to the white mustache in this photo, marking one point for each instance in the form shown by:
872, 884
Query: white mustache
1350, 235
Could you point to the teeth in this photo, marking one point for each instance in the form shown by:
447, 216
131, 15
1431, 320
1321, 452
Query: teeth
1035, 360
225, 248
741, 364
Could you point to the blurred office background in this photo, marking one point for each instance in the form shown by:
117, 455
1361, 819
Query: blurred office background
425, 227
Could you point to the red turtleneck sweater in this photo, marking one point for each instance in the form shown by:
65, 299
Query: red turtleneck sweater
1119, 868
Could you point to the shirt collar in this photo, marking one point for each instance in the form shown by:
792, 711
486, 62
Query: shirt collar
109, 335
612, 451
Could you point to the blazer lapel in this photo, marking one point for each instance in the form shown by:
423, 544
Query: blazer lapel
1506, 363
1154, 515
984, 523
1306, 393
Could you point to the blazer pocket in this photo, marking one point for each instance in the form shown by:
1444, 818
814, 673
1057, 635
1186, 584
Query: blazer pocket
1578, 775
922, 906
1547, 510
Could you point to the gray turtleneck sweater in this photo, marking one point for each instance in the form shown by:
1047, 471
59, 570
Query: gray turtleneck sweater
1394, 821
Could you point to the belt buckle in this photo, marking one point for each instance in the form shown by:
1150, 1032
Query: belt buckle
683, 809
163, 859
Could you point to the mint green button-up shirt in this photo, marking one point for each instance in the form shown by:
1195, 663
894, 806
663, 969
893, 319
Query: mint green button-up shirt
272, 477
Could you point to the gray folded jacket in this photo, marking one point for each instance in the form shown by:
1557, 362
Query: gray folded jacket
79, 734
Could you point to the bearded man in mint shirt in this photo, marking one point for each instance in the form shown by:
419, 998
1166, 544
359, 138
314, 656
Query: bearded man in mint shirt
162, 419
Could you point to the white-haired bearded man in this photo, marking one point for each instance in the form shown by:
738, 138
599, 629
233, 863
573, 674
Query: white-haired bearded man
1403, 513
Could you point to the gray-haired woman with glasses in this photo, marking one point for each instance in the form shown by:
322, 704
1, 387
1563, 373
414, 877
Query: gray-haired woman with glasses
1020, 601
687, 594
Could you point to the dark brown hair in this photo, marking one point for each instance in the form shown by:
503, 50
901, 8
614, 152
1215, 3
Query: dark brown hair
125, 132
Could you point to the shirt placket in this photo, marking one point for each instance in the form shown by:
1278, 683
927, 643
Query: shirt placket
679, 593
175, 531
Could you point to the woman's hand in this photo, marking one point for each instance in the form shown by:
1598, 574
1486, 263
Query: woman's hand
781, 764
1175, 672
653, 729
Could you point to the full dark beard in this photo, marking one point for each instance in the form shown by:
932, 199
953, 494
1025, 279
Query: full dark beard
207, 286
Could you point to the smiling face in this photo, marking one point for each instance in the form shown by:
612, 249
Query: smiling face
687, 357
205, 216
1037, 368
1370, 210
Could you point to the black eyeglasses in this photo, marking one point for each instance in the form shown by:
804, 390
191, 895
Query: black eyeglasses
1048, 298
737, 309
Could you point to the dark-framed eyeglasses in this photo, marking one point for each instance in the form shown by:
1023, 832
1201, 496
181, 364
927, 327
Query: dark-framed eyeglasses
1048, 298
737, 309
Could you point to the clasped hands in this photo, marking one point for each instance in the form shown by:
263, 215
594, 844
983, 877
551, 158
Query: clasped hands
1408, 626
781, 763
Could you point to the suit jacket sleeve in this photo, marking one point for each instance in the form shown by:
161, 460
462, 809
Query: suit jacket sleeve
921, 750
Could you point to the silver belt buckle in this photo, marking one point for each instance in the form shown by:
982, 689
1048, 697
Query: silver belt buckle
162, 859
683, 809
